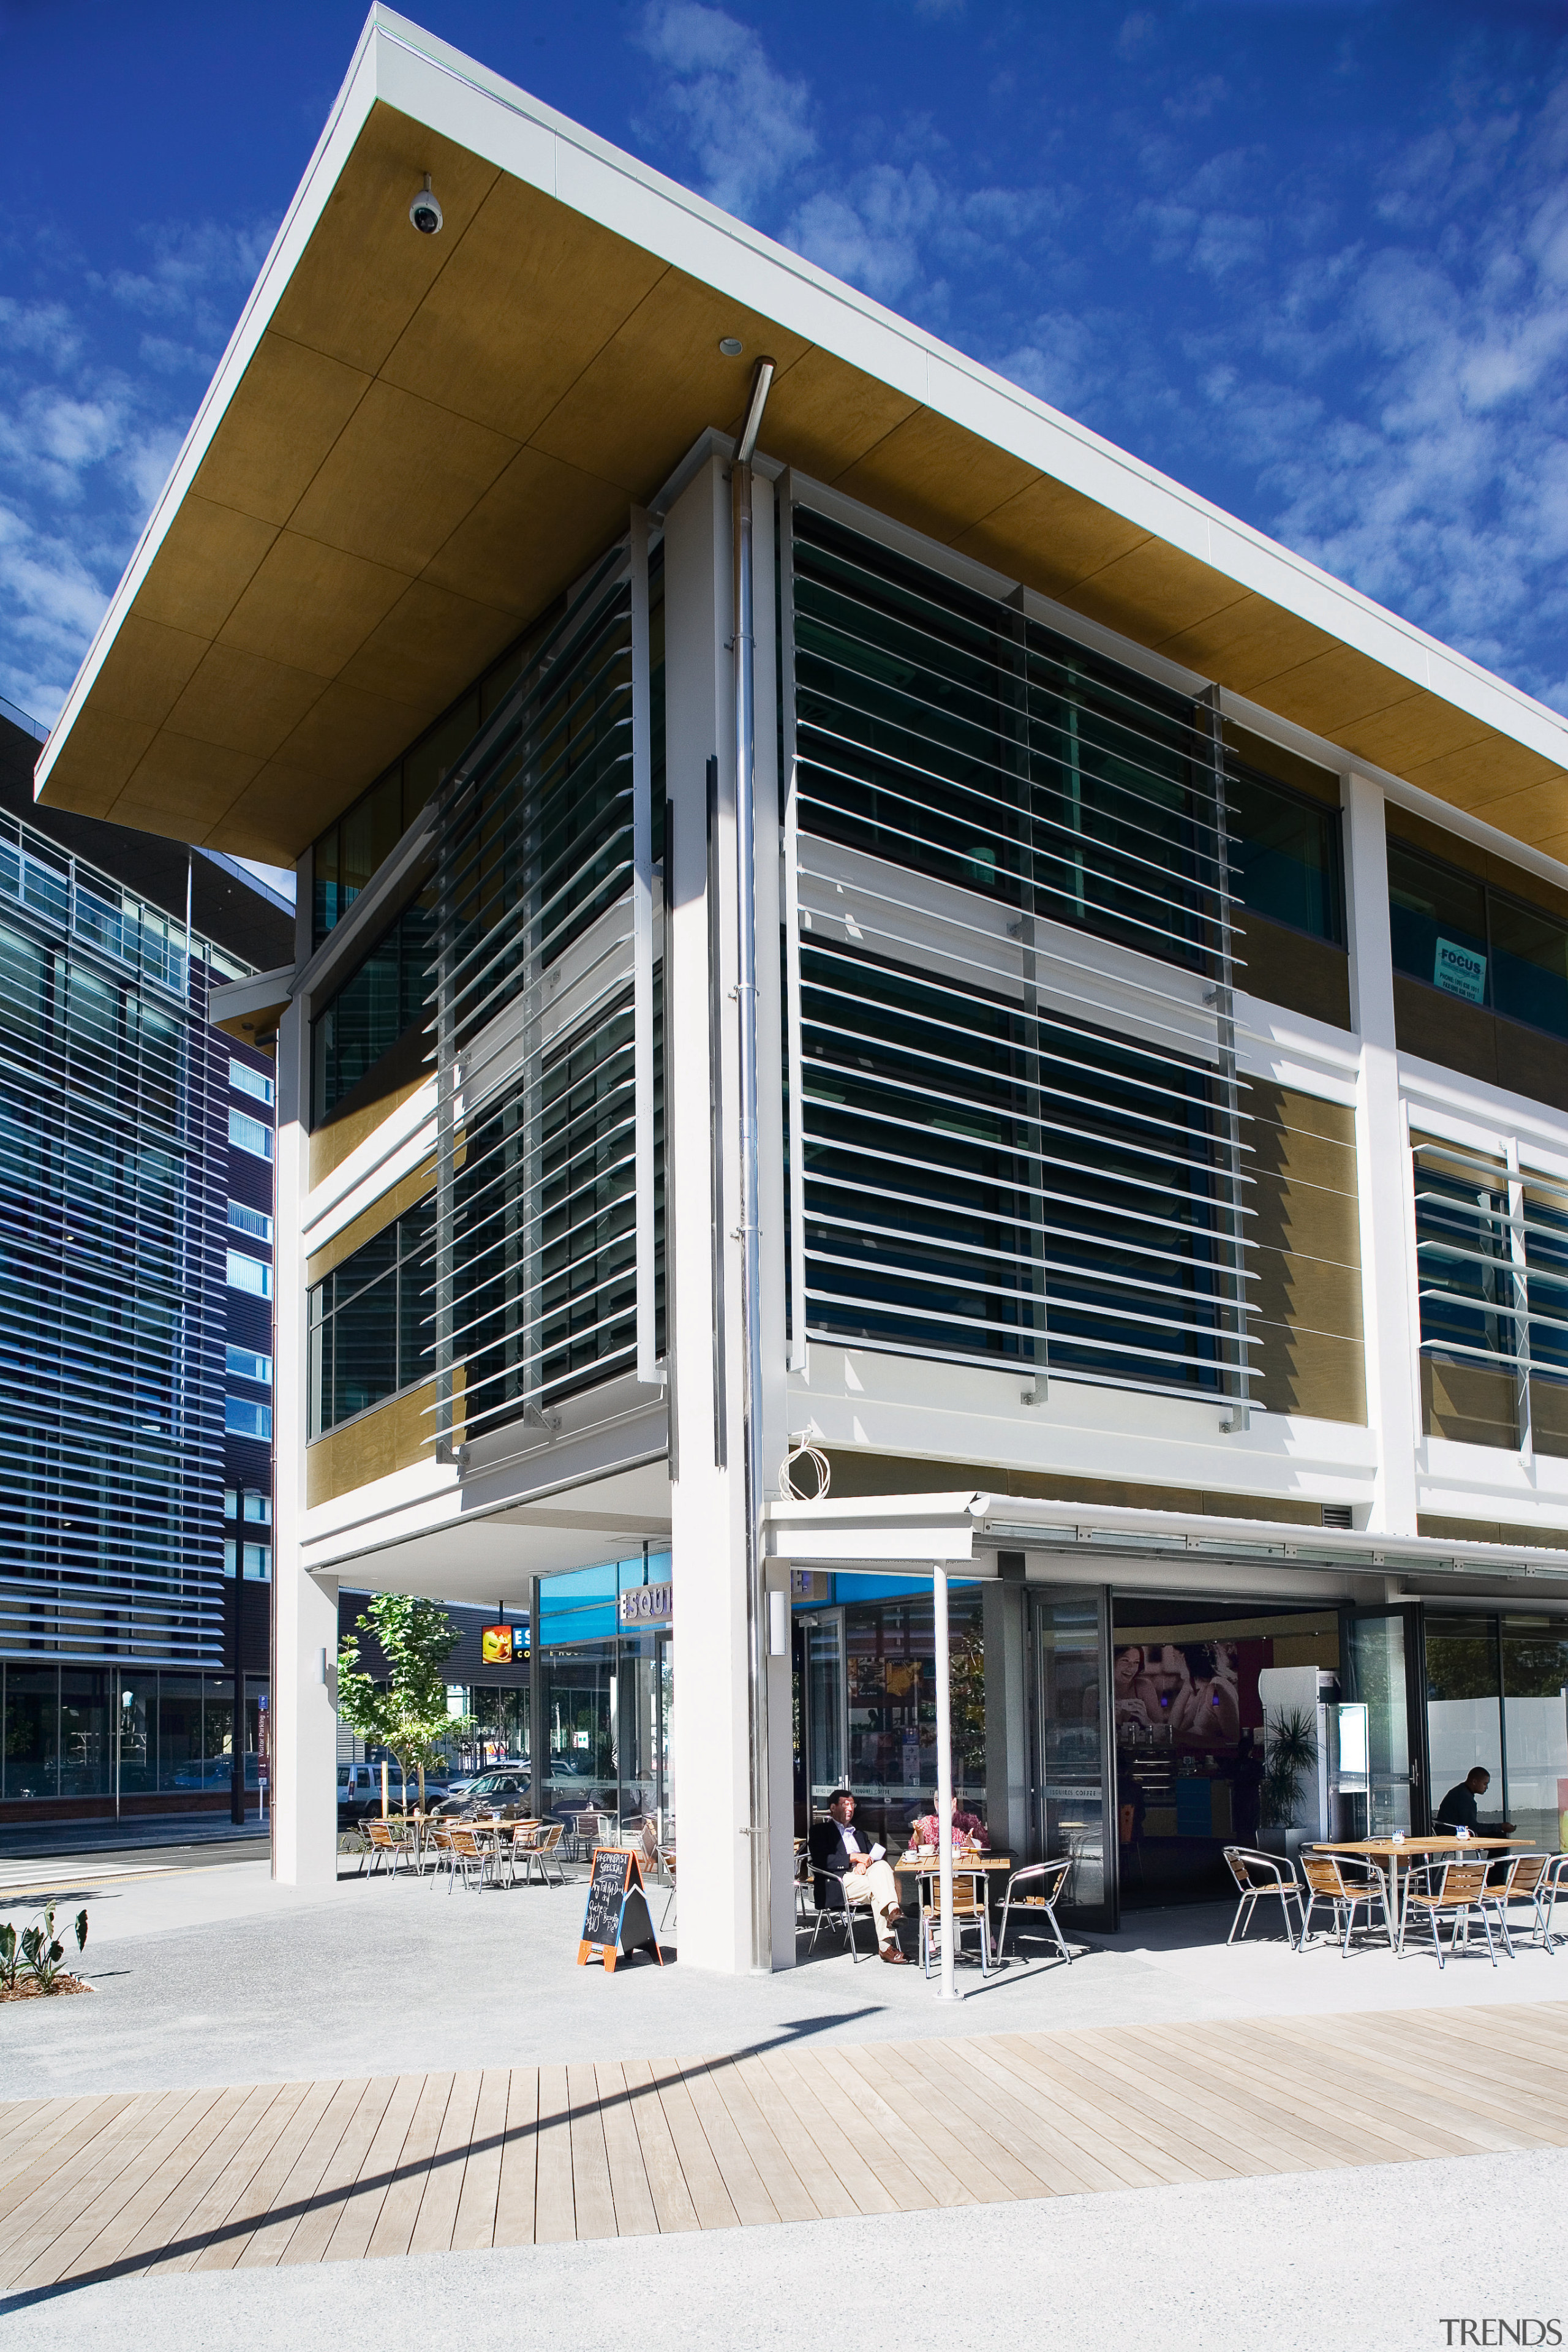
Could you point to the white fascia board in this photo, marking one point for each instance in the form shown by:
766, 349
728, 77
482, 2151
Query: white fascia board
433, 83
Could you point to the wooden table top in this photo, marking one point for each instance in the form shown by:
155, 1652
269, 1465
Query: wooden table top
931, 1863
1421, 1845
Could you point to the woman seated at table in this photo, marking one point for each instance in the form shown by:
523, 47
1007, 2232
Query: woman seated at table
969, 1831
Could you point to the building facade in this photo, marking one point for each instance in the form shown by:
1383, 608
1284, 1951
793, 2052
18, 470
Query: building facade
846, 926
130, 1357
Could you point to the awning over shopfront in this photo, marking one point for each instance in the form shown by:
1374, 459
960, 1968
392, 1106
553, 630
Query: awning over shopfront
885, 1531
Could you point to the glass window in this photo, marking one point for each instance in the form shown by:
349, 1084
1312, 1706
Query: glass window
258, 1561
1464, 1709
241, 1418
1477, 943
251, 1082
580, 1712
1437, 921
86, 1733
230, 1503
179, 1731
369, 1322
249, 1274
259, 1510
138, 1730
247, 1365
380, 1002
31, 1759
1535, 1720
244, 1219
1287, 853
217, 1732
890, 1677
248, 1134
943, 731
825, 1706
1529, 964
1072, 1765
230, 1556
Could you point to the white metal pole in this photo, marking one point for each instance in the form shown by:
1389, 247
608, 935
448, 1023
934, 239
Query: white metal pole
946, 1990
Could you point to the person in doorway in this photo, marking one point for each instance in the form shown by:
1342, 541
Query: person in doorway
1458, 1808
847, 1871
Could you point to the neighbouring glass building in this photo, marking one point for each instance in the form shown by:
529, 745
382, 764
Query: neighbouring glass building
886, 937
136, 1168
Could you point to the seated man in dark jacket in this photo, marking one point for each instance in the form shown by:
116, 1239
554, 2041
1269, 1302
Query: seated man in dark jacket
1459, 1811
846, 1872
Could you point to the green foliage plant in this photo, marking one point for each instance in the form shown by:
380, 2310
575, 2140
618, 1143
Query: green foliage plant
406, 1714
38, 1949
1290, 1752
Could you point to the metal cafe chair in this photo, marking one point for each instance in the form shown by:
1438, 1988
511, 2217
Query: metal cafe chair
468, 1856
1452, 1891
1042, 1884
1553, 1881
581, 1836
841, 1913
1349, 1886
385, 1846
1529, 1878
440, 1849
1257, 1874
543, 1852
802, 1883
969, 1910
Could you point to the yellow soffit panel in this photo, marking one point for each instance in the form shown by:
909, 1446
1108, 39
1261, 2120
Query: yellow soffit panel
432, 436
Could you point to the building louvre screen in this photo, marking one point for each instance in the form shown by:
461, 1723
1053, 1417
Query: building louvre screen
997, 1165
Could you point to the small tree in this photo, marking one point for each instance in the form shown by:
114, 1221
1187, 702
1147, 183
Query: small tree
409, 1713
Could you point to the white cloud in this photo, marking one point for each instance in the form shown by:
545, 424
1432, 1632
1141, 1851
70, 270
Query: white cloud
744, 123
871, 231
86, 444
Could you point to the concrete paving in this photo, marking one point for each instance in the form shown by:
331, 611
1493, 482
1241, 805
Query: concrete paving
215, 1976
1378, 2259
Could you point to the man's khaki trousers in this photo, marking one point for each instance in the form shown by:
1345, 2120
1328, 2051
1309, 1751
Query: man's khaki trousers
876, 1885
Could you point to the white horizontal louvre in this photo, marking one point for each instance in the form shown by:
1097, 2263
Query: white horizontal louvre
1020, 1112
1491, 1246
535, 1262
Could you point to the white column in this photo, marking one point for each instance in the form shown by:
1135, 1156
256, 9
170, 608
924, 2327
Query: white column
1383, 1170
701, 1213
304, 1610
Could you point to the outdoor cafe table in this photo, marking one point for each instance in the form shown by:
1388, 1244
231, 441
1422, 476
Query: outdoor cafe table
972, 1867
1411, 1850
497, 1835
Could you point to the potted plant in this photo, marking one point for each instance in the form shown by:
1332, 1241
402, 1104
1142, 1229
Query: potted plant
1289, 1758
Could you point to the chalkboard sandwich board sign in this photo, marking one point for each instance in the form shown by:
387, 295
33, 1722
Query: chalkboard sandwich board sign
616, 1921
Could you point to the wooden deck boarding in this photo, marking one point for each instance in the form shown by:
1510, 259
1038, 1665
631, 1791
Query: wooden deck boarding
119, 2186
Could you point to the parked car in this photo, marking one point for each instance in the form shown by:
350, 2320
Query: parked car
359, 1792
503, 1792
459, 1784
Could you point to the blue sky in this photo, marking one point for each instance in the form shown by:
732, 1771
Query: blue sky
1310, 259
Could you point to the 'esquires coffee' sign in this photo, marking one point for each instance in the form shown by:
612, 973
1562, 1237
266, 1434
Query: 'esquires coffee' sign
645, 1604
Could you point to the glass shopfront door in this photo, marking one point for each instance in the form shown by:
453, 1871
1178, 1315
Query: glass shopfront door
1381, 1650
1069, 1812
